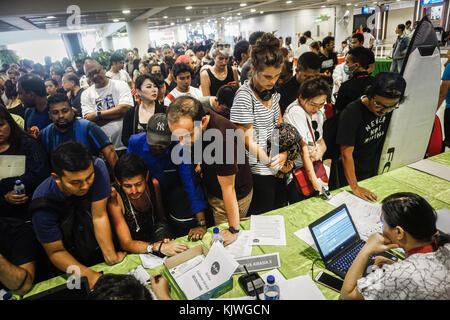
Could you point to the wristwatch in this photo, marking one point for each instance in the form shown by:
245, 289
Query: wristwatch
99, 115
201, 223
150, 248
233, 230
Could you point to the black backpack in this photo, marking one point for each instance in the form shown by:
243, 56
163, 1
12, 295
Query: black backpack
76, 226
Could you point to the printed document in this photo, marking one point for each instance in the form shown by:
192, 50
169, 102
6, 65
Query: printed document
268, 231
11, 166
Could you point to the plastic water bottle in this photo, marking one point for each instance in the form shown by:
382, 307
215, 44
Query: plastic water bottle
271, 289
217, 236
19, 188
8, 296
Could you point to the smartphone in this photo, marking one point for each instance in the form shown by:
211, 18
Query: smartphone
326, 192
329, 281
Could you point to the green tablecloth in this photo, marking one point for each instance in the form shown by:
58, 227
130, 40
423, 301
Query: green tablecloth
297, 256
381, 65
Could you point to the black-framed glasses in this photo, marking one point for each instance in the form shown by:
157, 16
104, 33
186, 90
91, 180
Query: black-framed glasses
380, 106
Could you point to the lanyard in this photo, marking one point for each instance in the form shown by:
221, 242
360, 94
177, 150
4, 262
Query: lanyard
425, 249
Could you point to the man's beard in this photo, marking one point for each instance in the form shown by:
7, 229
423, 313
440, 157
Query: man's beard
64, 126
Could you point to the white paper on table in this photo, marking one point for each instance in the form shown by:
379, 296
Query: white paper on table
12, 166
140, 274
150, 261
268, 230
365, 215
432, 167
305, 235
242, 246
443, 220
217, 268
300, 288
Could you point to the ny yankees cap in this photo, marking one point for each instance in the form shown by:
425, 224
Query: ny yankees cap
158, 132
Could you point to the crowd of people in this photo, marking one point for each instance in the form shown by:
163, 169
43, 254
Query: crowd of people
109, 168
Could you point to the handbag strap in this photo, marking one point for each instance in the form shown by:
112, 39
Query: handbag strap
310, 130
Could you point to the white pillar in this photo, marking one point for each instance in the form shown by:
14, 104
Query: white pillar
138, 35
107, 43
343, 24
220, 29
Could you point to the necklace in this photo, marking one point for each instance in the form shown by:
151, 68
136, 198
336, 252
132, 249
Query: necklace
132, 209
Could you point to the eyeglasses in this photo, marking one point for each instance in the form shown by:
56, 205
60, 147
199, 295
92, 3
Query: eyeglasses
387, 108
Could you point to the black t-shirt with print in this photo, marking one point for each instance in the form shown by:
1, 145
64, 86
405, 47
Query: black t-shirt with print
360, 128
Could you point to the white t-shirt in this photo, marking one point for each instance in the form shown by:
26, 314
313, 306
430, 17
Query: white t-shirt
115, 93
422, 276
301, 50
193, 92
297, 116
248, 109
367, 38
121, 75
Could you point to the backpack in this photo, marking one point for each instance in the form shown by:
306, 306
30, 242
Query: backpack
76, 226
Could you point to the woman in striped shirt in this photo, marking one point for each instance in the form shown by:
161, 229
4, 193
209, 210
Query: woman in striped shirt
256, 111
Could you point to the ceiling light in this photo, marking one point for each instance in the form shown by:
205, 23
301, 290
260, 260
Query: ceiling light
188, 19
322, 6
188, 7
172, 23
115, 20
165, 17
51, 17
239, 14
349, 4
288, 2
126, 11
261, 12
253, 10
243, 4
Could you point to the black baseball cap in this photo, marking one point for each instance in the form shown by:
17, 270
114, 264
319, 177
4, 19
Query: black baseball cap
179, 50
389, 85
158, 132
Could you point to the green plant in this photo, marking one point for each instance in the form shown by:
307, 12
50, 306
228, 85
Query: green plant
8, 56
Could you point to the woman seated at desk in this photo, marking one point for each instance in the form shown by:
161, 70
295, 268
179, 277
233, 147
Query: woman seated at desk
409, 222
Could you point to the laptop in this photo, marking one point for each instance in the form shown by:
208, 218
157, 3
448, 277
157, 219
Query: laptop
337, 239
62, 292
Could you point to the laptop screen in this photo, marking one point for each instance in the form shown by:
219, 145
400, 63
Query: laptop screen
334, 232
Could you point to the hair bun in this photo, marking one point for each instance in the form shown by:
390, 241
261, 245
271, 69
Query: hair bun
269, 41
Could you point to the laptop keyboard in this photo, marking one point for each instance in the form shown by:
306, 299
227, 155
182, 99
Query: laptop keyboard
344, 262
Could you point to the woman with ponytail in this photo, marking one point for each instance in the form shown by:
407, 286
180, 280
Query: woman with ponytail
409, 222
256, 111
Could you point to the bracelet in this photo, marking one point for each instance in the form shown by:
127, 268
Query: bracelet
23, 281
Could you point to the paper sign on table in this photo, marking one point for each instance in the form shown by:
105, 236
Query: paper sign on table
268, 230
242, 246
258, 263
217, 268
150, 261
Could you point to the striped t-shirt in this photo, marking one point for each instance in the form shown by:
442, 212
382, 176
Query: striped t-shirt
248, 109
